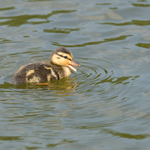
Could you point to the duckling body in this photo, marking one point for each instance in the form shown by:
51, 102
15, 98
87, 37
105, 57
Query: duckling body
61, 61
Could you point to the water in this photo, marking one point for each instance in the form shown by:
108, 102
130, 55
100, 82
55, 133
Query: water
105, 104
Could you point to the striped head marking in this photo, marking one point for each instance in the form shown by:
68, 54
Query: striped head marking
63, 57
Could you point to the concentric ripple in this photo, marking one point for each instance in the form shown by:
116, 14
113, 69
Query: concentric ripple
98, 77
93, 72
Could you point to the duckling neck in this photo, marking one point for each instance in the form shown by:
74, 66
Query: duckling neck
63, 71
67, 71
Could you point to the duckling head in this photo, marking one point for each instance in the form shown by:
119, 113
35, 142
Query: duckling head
63, 57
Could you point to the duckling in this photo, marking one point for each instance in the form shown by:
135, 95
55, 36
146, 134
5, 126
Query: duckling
61, 61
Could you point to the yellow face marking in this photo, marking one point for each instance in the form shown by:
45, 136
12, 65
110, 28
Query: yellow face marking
61, 61
30, 72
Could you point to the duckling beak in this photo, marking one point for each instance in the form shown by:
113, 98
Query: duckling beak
72, 64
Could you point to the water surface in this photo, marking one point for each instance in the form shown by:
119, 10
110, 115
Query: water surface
105, 104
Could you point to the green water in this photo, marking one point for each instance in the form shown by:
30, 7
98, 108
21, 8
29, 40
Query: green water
105, 105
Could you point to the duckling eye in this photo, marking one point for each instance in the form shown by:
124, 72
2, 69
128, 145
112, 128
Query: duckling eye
65, 57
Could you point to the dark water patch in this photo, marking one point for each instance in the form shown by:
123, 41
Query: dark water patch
9, 138
124, 80
5, 41
61, 30
133, 22
141, 0
118, 80
6, 8
141, 5
144, 45
113, 8
37, 21
37, 0
31, 148
23, 19
122, 37
127, 135
64, 141
103, 3
6, 85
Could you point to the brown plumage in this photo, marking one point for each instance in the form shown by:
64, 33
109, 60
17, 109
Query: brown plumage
61, 61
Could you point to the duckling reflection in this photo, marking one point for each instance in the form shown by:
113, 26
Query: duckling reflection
64, 87
61, 61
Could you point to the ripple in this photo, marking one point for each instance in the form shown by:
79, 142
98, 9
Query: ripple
144, 45
92, 74
133, 22
99, 78
122, 37
6, 8
127, 135
61, 30
141, 5
23, 19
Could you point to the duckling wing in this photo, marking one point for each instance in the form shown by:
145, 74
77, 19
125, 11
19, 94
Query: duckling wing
36, 72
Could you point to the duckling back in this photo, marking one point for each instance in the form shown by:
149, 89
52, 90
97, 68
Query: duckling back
37, 72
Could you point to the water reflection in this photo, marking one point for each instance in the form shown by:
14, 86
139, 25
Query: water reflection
123, 37
63, 87
127, 135
133, 22
144, 45
61, 30
105, 104
29, 19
